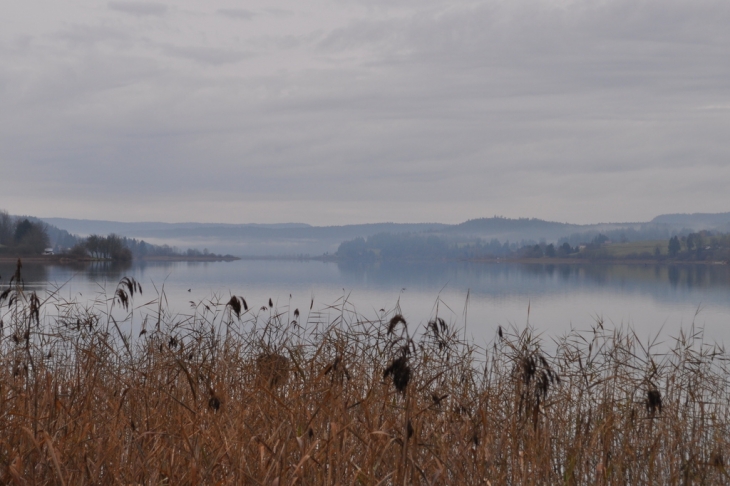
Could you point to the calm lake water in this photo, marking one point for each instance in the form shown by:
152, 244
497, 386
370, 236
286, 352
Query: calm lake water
646, 297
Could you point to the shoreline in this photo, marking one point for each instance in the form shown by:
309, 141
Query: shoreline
183, 258
541, 261
63, 260
611, 261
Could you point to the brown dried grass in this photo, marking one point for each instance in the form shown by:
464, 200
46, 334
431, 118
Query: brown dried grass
223, 396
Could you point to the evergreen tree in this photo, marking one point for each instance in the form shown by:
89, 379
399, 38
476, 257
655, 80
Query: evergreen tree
674, 246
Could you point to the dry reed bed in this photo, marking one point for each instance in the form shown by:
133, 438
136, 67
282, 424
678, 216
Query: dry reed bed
232, 395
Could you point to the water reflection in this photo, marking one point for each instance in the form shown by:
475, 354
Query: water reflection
107, 270
661, 281
560, 294
658, 280
31, 273
38, 276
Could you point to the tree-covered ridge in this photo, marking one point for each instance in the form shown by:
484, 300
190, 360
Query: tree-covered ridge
22, 236
110, 247
30, 236
701, 246
387, 246
296, 240
121, 248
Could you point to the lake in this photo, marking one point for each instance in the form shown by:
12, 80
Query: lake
647, 297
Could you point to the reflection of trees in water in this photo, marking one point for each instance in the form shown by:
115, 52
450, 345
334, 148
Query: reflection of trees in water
37, 276
673, 272
30, 272
143, 265
502, 278
107, 270
698, 276
678, 276
437, 274
384, 274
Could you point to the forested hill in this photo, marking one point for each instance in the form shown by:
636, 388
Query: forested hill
696, 221
512, 229
296, 239
86, 227
288, 239
531, 229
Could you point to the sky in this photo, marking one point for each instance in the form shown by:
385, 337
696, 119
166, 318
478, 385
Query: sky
364, 111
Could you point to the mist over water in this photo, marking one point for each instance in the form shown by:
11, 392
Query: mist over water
648, 297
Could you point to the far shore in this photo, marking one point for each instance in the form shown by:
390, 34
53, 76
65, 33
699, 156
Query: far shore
64, 259
185, 258
541, 261
616, 261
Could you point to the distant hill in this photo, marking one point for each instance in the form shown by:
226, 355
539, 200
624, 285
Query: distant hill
58, 237
287, 239
696, 221
512, 229
527, 229
86, 227
291, 239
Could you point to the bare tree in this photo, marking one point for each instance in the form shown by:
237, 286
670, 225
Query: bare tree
7, 229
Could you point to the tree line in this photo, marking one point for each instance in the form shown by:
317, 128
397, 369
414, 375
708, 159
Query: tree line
26, 235
110, 247
121, 248
699, 246
407, 246
22, 236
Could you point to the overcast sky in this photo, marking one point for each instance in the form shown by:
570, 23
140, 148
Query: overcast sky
361, 111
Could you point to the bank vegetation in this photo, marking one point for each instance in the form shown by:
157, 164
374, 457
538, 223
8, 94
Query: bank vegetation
123, 390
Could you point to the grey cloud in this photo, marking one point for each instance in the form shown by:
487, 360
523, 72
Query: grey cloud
280, 12
139, 8
87, 35
369, 34
237, 13
206, 55
516, 108
519, 33
246, 14
21, 43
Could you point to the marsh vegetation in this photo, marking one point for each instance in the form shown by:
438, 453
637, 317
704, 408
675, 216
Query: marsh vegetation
231, 393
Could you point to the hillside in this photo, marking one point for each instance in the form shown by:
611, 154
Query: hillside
696, 221
292, 239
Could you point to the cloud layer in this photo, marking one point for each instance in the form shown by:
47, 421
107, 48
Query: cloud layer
338, 112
